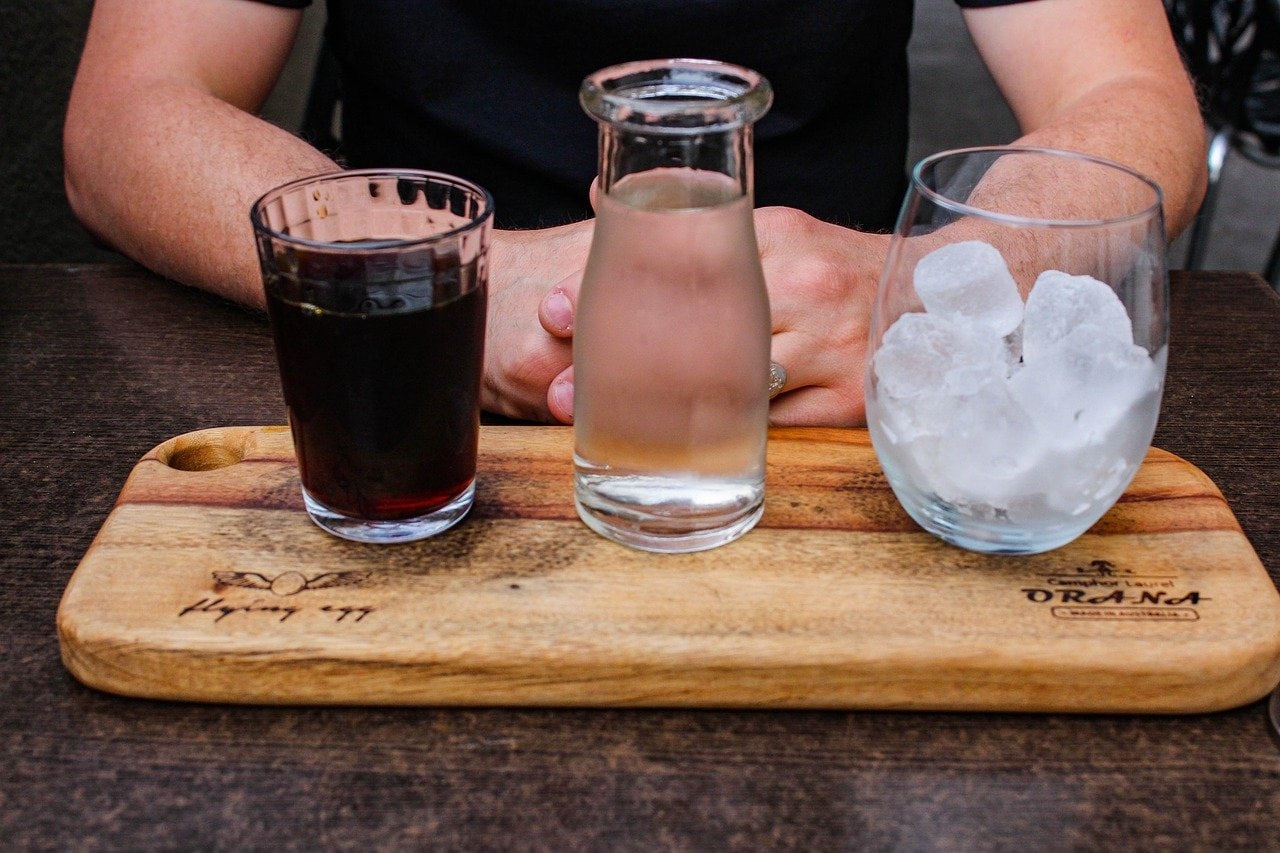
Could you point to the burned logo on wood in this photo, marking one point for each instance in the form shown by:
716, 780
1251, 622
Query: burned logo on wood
1103, 590
287, 583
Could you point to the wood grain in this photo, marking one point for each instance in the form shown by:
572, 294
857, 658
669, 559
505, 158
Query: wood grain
100, 362
208, 583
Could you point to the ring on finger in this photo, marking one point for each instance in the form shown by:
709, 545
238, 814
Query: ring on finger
777, 379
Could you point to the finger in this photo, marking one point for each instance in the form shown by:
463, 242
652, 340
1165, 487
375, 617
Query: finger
796, 354
815, 406
824, 383
594, 193
560, 396
556, 310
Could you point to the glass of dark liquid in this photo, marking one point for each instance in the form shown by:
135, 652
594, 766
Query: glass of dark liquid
376, 284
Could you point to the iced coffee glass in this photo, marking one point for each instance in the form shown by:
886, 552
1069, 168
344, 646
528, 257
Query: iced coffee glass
376, 284
1018, 344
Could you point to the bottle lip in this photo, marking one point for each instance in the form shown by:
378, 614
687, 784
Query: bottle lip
676, 95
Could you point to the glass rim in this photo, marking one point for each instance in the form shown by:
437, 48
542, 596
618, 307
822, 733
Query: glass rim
1156, 207
390, 244
712, 103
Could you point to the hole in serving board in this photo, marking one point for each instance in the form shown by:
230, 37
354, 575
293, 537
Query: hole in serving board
203, 451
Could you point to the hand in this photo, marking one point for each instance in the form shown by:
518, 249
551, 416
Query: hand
821, 280
520, 358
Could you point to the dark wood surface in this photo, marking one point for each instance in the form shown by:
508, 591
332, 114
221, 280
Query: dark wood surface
100, 363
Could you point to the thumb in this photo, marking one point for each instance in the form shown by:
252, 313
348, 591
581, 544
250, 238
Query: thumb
560, 396
556, 311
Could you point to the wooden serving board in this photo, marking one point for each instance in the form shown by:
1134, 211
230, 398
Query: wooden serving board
207, 582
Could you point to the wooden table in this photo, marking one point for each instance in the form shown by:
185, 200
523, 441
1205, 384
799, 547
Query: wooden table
100, 363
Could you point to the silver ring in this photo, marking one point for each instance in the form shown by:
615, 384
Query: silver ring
777, 379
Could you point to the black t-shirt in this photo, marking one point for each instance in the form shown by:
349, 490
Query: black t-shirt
487, 89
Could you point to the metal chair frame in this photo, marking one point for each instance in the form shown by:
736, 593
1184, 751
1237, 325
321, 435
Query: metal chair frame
1232, 50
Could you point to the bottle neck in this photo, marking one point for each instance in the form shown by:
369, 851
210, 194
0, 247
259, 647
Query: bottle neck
680, 119
625, 151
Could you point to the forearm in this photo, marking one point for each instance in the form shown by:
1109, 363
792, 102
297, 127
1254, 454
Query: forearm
1144, 126
1104, 78
166, 173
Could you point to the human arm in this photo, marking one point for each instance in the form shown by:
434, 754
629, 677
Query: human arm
1097, 76
1103, 78
164, 157
163, 152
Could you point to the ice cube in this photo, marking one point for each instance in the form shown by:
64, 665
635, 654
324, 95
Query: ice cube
1059, 302
926, 354
1013, 349
990, 452
1089, 479
969, 281
909, 419
1084, 385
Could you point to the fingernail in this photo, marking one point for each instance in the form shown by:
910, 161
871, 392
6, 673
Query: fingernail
559, 311
562, 397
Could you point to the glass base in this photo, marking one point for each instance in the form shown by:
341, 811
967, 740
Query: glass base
390, 532
667, 518
991, 536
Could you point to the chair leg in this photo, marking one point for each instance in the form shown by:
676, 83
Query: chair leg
1218, 148
1272, 272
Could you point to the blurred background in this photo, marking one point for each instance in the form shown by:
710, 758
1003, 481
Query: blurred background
954, 104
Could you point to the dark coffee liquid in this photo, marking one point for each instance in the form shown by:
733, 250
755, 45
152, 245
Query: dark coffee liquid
382, 382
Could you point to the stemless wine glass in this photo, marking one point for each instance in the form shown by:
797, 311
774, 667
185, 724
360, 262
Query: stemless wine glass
1018, 341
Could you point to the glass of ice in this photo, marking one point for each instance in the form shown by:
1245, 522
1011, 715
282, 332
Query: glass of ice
1018, 344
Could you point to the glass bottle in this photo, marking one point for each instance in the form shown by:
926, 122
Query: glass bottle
671, 338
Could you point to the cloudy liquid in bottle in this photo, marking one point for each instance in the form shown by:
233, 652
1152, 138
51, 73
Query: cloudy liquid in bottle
671, 364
